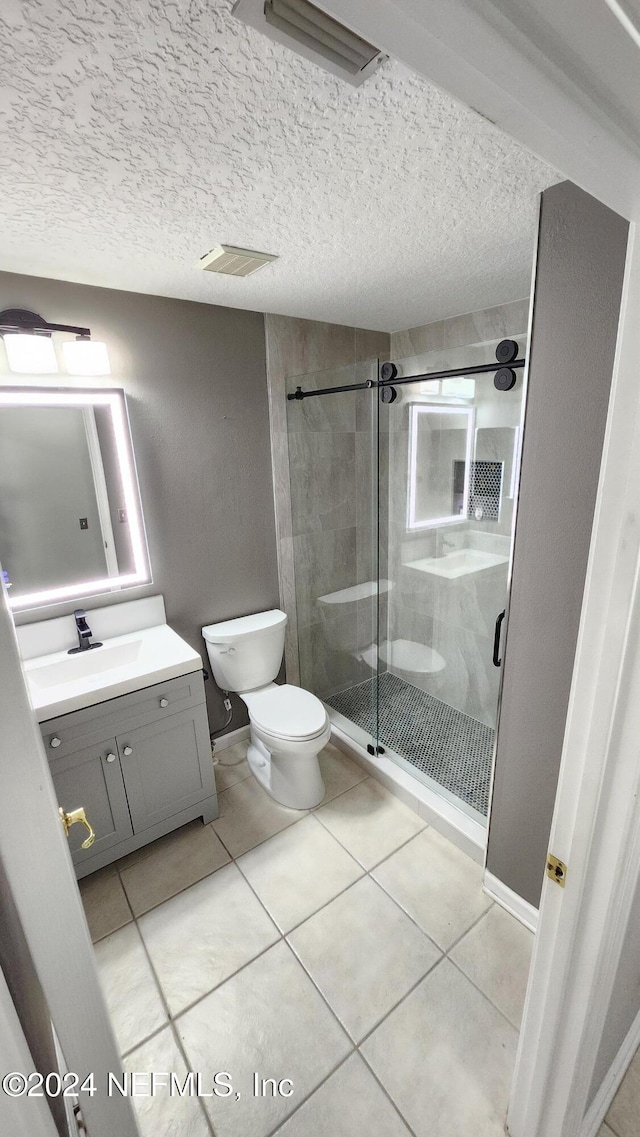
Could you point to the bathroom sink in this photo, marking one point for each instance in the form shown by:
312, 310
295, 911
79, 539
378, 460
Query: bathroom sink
458, 563
60, 683
74, 668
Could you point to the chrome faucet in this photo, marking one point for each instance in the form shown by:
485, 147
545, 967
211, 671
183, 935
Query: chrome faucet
84, 633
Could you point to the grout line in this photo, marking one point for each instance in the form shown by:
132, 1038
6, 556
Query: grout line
187, 1063
282, 937
386, 1093
484, 995
470, 928
402, 999
306, 1098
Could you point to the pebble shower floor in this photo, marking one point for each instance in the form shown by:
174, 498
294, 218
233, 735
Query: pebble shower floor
451, 747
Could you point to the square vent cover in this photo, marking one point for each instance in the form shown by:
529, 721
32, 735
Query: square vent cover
304, 28
234, 262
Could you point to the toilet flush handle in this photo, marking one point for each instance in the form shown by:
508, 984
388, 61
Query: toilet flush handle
228, 651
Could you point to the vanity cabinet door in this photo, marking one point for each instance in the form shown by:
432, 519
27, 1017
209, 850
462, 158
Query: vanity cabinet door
92, 778
166, 766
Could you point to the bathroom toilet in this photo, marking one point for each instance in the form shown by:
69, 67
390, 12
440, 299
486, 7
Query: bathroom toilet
289, 726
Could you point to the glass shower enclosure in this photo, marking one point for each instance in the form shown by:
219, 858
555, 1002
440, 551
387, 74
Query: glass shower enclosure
403, 499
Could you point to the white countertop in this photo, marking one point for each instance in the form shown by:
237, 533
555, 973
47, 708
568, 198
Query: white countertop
60, 683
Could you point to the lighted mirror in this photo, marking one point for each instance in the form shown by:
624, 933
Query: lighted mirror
71, 521
440, 451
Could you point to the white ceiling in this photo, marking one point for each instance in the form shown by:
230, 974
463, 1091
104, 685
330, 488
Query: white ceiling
138, 136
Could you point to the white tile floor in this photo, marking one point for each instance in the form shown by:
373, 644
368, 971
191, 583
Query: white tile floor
350, 949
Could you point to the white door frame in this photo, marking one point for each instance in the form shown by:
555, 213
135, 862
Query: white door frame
38, 868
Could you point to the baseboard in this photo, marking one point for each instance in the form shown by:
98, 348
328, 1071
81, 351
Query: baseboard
508, 899
599, 1107
230, 739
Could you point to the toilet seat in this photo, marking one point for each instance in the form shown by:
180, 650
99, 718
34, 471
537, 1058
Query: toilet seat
286, 712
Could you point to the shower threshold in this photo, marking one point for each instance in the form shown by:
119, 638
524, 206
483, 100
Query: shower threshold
440, 742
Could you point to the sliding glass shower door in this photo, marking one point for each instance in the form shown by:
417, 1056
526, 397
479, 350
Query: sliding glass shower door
447, 511
395, 567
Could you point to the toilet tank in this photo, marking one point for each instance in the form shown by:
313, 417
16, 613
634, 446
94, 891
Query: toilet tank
246, 653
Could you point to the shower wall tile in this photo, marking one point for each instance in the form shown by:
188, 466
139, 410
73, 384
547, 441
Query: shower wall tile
301, 347
328, 657
324, 475
459, 331
372, 345
415, 341
323, 471
325, 563
489, 324
469, 682
286, 571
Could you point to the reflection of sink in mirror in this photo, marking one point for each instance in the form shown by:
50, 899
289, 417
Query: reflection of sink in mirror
458, 563
96, 662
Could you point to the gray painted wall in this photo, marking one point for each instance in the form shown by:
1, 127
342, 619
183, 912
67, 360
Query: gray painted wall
195, 377
581, 256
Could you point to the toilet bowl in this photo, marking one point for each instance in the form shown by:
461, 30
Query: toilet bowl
289, 726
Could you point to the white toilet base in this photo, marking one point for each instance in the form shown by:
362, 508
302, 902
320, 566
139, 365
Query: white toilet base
292, 778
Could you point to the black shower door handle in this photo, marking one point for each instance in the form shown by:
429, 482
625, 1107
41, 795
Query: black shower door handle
496, 639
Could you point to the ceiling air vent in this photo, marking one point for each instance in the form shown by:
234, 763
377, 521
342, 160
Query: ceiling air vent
304, 28
234, 262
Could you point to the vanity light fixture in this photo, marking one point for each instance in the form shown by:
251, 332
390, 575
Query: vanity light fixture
30, 350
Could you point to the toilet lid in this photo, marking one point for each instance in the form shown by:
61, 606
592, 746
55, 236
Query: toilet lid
287, 712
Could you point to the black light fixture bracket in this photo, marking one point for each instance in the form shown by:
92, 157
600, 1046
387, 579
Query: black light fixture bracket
22, 320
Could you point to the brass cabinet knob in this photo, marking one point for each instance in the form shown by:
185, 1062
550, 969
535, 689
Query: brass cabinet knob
77, 817
111, 757
55, 742
127, 751
164, 702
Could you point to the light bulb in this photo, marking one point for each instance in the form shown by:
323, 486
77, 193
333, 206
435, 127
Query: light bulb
86, 357
29, 354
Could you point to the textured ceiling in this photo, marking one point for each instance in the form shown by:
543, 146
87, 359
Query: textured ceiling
136, 136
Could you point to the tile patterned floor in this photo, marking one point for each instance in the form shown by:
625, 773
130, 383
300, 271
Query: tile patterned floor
451, 747
349, 948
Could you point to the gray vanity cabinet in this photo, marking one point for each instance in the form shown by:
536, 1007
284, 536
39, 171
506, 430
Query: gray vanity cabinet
140, 765
157, 786
92, 777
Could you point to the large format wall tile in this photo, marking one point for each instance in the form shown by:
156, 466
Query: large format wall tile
325, 562
328, 656
323, 470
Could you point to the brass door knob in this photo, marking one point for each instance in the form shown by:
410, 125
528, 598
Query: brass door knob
164, 702
127, 751
55, 742
77, 817
111, 757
